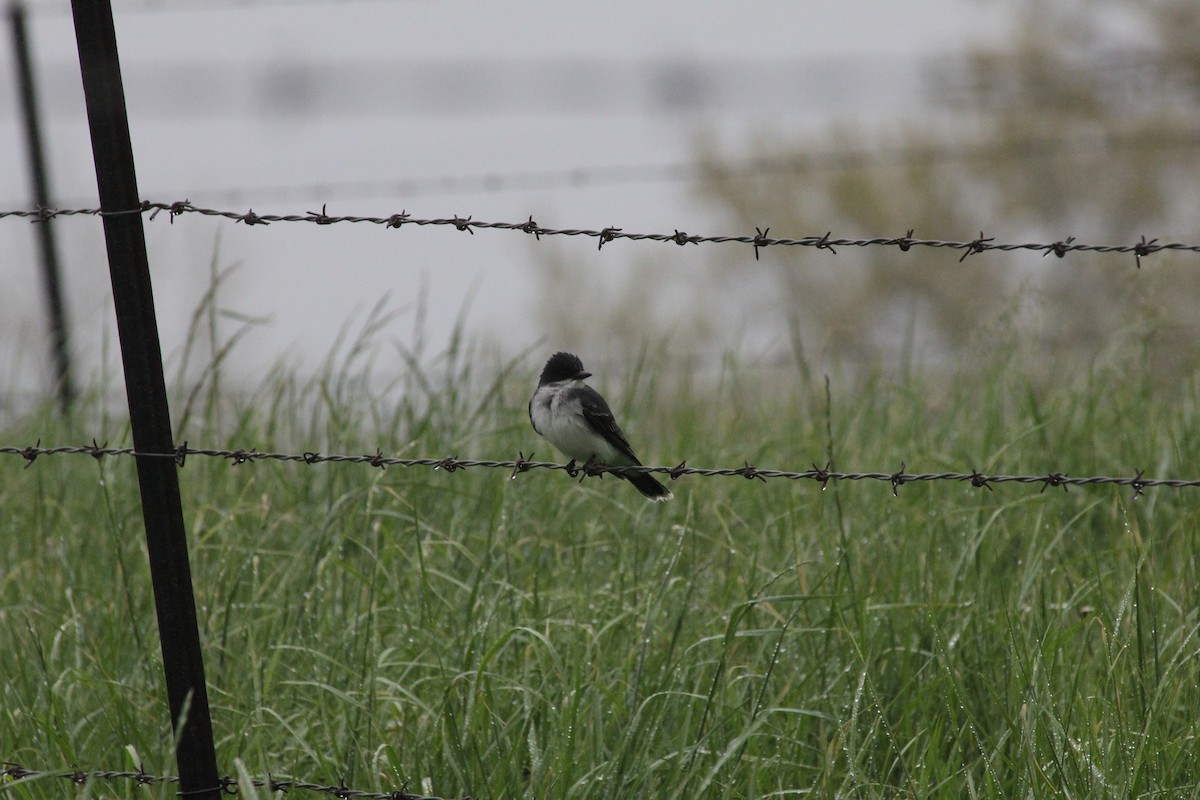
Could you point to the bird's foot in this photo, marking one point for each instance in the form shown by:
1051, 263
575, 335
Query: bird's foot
593, 468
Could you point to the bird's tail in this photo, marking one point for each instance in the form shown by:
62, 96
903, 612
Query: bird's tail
650, 487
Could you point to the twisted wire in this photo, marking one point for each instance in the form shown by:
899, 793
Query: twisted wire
759, 240
822, 475
226, 784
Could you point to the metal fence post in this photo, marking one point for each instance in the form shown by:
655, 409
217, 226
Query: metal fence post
145, 388
55, 307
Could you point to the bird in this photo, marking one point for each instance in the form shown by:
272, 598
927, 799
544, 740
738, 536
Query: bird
575, 419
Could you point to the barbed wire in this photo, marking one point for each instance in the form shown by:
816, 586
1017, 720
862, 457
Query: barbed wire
805, 163
759, 240
822, 475
526, 181
59, 7
225, 784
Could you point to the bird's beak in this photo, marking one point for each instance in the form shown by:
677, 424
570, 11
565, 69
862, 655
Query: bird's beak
583, 375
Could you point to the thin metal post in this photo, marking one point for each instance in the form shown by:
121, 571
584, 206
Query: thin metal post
145, 388
55, 307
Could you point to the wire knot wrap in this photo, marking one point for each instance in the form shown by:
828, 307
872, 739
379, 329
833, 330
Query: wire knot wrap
980, 481
31, 453
321, 218
1054, 479
449, 463
820, 475
823, 243
178, 208
521, 464
229, 785
750, 473
1138, 484
242, 456
1059, 248
1144, 248
760, 240
977, 246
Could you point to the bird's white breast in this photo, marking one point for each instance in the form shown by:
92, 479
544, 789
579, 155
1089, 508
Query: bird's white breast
562, 422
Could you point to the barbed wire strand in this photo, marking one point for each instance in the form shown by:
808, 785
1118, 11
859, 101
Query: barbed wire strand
822, 475
62, 7
755, 168
605, 235
227, 784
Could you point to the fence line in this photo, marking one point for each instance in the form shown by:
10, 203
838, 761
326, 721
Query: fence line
63, 7
226, 784
759, 240
749, 169
822, 475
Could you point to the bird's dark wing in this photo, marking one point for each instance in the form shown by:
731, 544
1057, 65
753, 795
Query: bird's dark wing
600, 417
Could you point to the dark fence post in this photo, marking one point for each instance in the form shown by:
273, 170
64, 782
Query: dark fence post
145, 388
56, 313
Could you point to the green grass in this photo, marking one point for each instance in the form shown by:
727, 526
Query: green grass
468, 634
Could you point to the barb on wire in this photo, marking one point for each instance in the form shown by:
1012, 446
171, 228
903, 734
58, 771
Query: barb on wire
227, 785
451, 464
758, 240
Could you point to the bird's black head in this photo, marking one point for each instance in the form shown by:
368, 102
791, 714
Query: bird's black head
563, 367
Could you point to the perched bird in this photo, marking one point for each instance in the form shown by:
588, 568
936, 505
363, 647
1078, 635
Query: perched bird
576, 420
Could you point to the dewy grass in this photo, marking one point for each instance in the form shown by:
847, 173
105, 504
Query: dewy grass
468, 634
